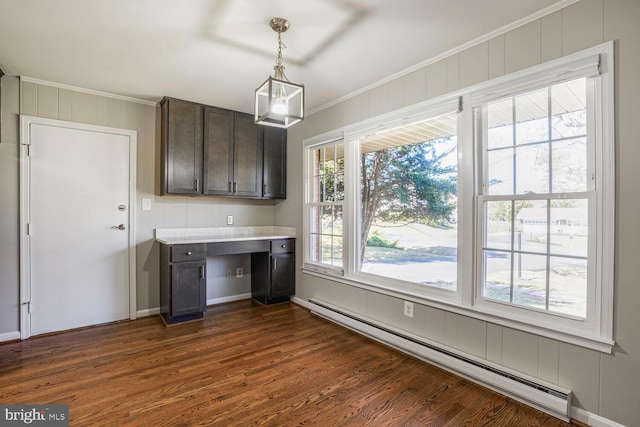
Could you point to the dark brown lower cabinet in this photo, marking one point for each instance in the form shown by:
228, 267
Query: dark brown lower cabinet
183, 285
273, 277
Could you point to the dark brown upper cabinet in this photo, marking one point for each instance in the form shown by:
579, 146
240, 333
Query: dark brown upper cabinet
181, 147
237, 157
232, 154
274, 181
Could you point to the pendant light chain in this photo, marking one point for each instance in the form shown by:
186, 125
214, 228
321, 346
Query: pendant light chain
279, 68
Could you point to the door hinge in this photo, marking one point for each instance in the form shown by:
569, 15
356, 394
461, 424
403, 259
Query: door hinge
29, 229
29, 150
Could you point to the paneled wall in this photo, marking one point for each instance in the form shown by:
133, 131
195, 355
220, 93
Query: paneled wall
605, 385
44, 100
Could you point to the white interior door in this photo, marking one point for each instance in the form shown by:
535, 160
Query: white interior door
78, 226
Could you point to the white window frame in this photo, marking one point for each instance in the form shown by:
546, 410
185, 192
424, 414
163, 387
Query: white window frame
308, 264
597, 333
597, 65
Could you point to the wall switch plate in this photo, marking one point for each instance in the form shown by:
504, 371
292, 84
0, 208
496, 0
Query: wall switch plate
239, 272
146, 204
408, 309
229, 219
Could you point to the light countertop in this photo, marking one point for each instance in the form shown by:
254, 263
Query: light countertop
177, 236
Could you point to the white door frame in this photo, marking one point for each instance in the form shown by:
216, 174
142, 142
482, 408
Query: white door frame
25, 210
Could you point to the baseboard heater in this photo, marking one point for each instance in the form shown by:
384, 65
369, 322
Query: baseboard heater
550, 399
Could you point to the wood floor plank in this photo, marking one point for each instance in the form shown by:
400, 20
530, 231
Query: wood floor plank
244, 364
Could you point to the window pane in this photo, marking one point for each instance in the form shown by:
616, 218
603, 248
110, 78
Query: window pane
568, 286
326, 249
500, 124
532, 169
409, 203
531, 226
532, 117
500, 171
325, 210
497, 282
498, 224
327, 220
568, 108
530, 280
569, 227
569, 160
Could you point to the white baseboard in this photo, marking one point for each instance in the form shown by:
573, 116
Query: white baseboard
591, 419
231, 298
213, 301
148, 312
10, 336
578, 414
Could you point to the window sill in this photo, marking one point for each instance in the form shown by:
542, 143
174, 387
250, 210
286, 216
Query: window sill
446, 303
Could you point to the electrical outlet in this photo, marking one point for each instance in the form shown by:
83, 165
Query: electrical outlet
229, 219
239, 272
408, 309
228, 273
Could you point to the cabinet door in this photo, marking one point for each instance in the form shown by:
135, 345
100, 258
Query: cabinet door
182, 147
282, 275
218, 151
188, 288
247, 157
275, 163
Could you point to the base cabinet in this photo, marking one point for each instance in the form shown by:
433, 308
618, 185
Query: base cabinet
273, 274
183, 283
183, 287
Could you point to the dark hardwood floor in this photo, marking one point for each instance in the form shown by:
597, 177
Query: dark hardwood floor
244, 364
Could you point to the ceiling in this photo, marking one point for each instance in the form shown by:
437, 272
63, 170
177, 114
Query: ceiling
218, 51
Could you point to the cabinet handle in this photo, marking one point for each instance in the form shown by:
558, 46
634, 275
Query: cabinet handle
202, 271
264, 188
275, 263
187, 253
197, 185
229, 186
283, 246
235, 187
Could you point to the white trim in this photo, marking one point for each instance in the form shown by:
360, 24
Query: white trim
592, 419
213, 301
89, 91
231, 298
148, 312
594, 61
500, 31
25, 210
10, 336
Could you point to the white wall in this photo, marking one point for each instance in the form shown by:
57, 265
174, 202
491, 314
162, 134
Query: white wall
607, 385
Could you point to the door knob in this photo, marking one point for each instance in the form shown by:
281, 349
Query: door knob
120, 227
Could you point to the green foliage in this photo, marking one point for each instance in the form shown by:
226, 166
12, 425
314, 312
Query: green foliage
377, 240
501, 211
409, 184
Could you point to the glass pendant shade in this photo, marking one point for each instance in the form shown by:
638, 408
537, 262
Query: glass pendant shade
278, 102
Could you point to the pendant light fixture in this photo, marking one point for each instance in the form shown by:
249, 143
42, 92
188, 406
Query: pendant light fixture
279, 102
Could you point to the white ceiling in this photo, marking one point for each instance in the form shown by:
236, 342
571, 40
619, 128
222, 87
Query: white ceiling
218, 51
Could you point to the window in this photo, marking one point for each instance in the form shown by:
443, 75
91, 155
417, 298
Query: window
408, 202
326, 202
502, 210
537, 198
